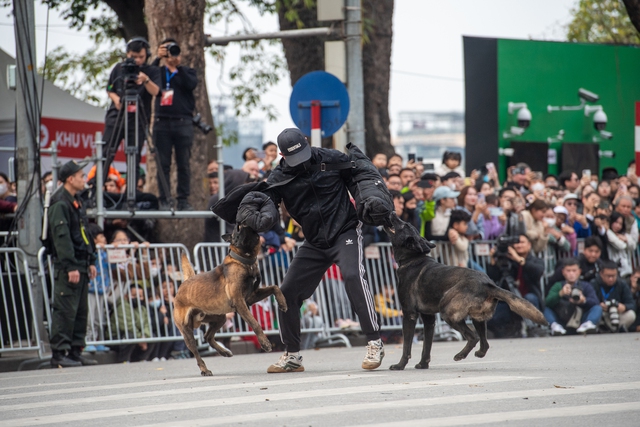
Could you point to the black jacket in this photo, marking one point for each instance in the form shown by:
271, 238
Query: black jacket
318, 200
183, 84
72, 244
619, 291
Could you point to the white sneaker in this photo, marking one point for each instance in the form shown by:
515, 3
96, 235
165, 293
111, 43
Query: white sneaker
587, 328
287, 363
375, 354
557, 329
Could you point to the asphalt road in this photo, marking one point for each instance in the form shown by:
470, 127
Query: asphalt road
572, 381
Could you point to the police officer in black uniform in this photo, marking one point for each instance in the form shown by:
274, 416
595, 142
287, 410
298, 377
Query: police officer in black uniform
74, 259
173, 127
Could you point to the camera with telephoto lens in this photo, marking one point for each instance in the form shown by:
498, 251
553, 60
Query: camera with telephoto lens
130, 71
575, 295
173, 49
503, 242
197, 122
614, 316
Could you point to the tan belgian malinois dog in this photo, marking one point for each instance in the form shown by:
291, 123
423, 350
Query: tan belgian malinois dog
232, 286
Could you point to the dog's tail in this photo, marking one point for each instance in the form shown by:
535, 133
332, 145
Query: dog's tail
187, 268
518, 305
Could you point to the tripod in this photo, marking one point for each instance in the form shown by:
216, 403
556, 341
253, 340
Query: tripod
130, 104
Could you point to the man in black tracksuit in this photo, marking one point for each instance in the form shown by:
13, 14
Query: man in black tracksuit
319, 201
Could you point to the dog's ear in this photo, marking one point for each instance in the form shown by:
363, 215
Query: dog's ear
226, 237
418, 244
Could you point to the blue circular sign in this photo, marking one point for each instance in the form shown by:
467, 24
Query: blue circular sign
332, 95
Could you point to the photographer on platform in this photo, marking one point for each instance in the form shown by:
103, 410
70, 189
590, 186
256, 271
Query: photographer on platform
514, 268
616, 300
141, 79
173, 126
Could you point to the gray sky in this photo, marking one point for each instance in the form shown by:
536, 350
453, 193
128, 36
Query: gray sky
427, 40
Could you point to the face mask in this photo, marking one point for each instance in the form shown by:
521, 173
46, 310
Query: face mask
156, 303
49, 186
135, 303
154, 271
594, 185
3, 188
550, 221
452, 186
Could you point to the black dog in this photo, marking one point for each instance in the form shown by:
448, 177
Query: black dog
426, 287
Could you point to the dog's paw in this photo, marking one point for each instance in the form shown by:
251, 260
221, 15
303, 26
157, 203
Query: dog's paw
422, 365
225, 353
480, 353
206, 373
398, 367
458, 357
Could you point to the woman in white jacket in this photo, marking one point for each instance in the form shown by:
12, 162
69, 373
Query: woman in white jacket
618, 245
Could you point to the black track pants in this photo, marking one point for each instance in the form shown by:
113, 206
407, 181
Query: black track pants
304, 275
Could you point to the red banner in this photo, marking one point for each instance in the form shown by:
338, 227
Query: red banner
74, 139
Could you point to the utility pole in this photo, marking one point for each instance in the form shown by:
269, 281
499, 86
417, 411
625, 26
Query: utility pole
355, 121
29, 224
28, 129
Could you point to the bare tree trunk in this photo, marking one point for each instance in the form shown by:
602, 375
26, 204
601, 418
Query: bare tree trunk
304, 54
633, 10
184, 21
376, 65
131, 16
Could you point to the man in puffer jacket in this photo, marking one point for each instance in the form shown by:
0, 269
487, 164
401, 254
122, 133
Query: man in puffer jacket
316, 195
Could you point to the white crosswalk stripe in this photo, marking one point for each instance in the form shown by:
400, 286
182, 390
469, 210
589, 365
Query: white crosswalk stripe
542, 382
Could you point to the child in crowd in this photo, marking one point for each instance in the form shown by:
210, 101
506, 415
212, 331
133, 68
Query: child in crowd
451, 161
458, 225
98, 288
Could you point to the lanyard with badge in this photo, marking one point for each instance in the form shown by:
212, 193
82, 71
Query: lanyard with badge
167, 94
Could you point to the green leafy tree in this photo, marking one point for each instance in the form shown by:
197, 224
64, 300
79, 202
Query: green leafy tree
604, 21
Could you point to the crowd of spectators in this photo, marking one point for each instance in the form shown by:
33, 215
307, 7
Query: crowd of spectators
568, 216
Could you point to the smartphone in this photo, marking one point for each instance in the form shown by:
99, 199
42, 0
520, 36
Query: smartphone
412, 157
586, 172
623, 187
420, 159
538, 176
429, 167
490, 166
481, 198
496, 211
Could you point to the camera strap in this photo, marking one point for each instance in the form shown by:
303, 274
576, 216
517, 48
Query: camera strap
169, 76
606, 296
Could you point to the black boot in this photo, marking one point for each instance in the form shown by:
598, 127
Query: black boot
76, 355
60, 360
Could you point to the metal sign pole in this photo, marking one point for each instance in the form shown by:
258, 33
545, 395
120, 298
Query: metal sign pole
355, 122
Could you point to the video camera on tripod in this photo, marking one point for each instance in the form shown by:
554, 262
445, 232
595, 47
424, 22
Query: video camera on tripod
130, 72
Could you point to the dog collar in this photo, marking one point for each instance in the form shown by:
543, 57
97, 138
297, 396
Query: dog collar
246, 261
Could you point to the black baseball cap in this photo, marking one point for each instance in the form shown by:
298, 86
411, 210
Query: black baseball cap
424, 183
70, 168
294, 146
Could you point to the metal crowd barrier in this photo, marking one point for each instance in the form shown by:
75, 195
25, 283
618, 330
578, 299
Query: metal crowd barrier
153, 271
18, 320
